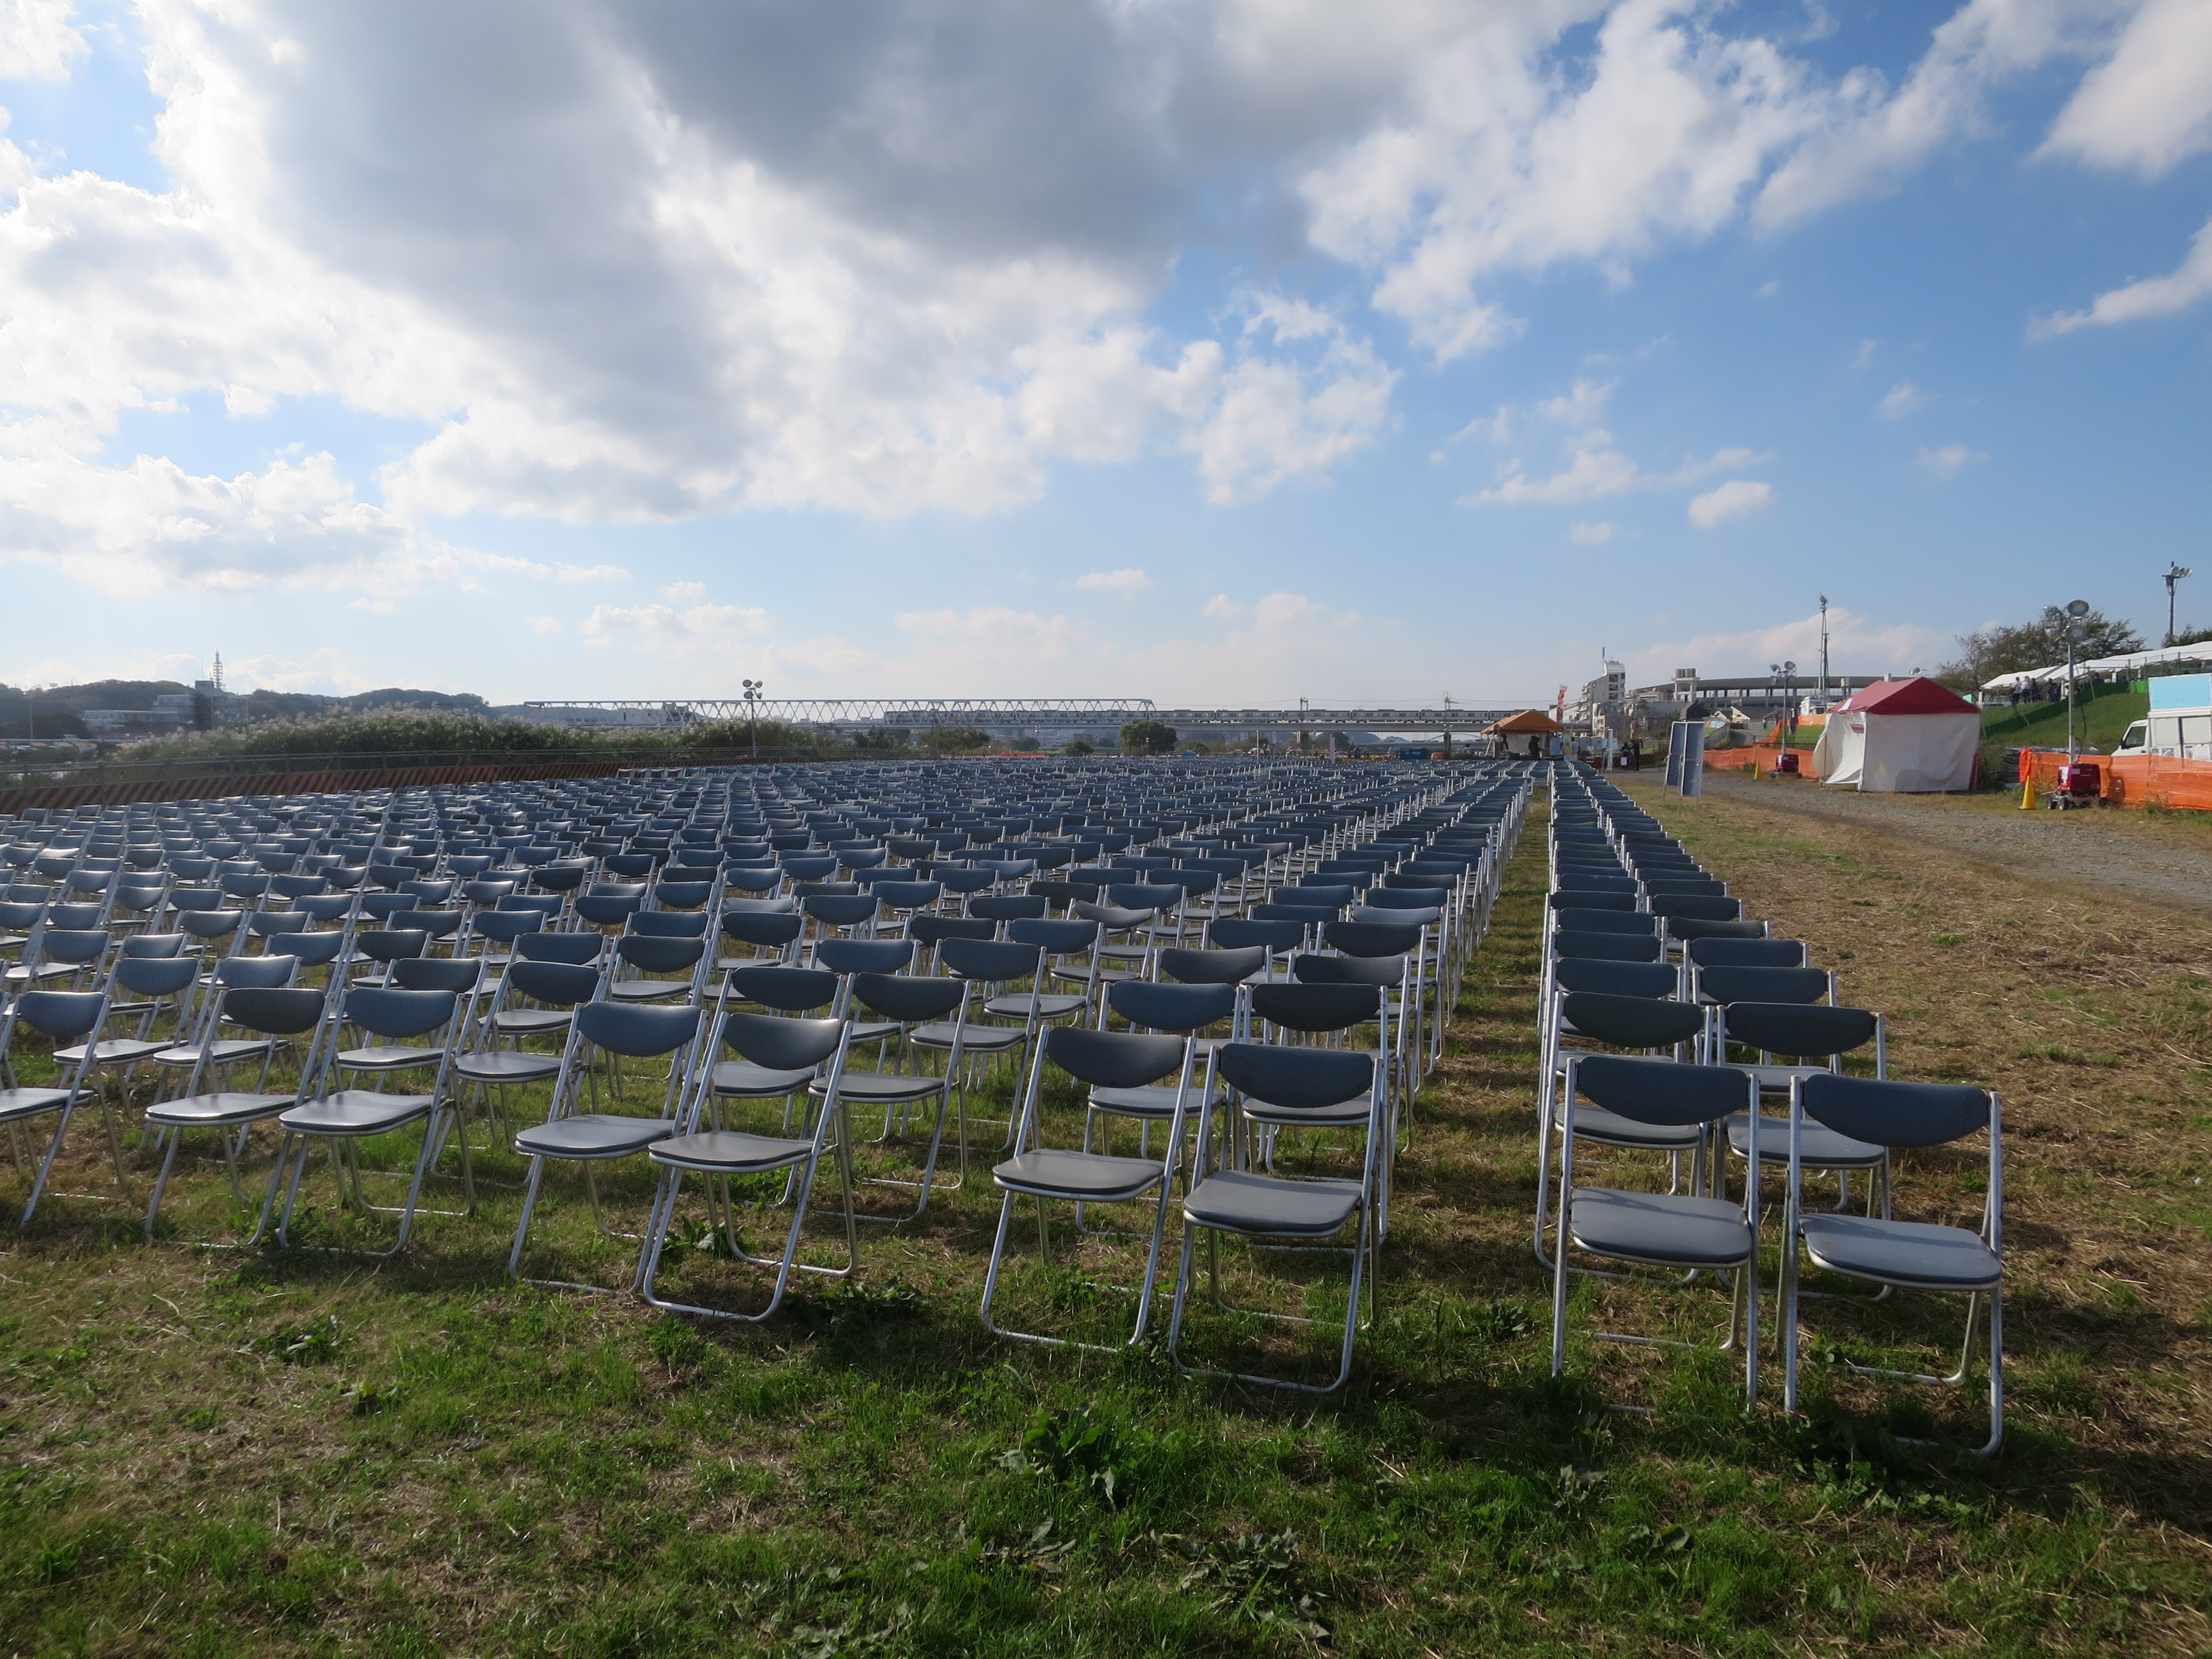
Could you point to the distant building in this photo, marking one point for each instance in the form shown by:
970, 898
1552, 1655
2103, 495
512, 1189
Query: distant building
1762, 696
172, 711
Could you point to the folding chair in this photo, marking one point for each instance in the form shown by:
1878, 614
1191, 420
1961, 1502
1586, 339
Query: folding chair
1110, 1059
1658, 1229
1900, 1255
1288, 1086
792, 1056
636, 1030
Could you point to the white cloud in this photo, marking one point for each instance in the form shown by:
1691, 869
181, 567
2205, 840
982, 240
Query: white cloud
2152, 296
698, 630
1732, 500
544, 627
2149, 104
1948, 461
1278, 417
1128, 583
1595, 473
1592, 535
38, 39
1900, 401
1580, 407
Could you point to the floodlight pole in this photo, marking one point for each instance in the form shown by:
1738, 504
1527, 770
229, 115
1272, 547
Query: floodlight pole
2174, 572
753, 689
1824, 654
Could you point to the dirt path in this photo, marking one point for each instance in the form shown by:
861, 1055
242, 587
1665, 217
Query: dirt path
2119, 851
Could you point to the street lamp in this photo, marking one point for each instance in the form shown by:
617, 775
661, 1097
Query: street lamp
753, 689
2174, 572
2068, 623
1786, 672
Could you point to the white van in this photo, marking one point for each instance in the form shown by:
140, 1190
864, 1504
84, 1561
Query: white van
2180, 723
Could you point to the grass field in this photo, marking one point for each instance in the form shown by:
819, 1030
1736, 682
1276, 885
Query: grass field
208, 1453
2100, 720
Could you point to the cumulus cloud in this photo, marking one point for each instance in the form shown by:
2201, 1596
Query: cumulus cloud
1128, 583
39, 39
2152, 296
1948, 461
1900, 401
626, 263
2149, 104
1733, 500
697, 629
1592, 535
1598, 471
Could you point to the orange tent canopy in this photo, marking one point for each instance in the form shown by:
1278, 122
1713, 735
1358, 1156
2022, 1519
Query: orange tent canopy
1529, 720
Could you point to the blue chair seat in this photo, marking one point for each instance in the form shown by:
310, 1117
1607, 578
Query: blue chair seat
1238, 1201
505, 1066
1050, 1172
742, 1080
593, 1134
723, 1151
356, 1112
195, 1112
1151, 1100
222, 1052
113, 1051
18, 1104
1822, 1148
880, 1087
1656, 1227
390, 1057
1912, 1253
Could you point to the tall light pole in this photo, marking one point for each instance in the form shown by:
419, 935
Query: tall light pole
1786, 672
1824, 653
753, 689
2068, 623
2174, 572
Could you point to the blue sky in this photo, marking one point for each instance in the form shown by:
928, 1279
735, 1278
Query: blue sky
1220, 352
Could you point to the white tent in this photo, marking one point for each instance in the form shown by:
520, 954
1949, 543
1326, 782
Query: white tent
1903, 736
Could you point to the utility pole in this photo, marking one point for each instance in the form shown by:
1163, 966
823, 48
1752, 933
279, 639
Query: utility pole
1448, 703
2174, 572
2070, 623
753, 689
1824, 654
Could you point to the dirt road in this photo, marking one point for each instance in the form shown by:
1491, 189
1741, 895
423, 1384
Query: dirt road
2121, 852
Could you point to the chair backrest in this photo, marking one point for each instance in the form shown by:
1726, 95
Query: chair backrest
907, 998
660, 956
1606, 947
1114, 1060
605, 910
1789, 1028
793, 990
505, 927
273, 1011
454, 973
1310, 968
1620, 979
1696, 907
155, 976
1606, 921
864, 955
557, 984
1371, 938
1803, 985
1671, 1097
1579, 899
681, 895
74, 944
839, 910
257, 973
781, 1044
637, 1030
155, 944
390, 944
664, 924
1632, 1022
1896, 1115
926, 931
398, 1014
311, 949
1726, 953
1217, 967
59, 1014
1179, 1008
1317, 1008
990, 959
1143, 898
1295, 1079
559, 947
1236, 933
1060, 938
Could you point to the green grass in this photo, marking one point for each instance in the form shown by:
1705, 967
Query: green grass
2102, 720
207, 1453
